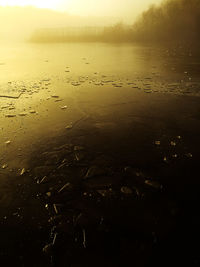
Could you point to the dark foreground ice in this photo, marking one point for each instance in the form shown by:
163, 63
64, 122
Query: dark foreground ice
99, 156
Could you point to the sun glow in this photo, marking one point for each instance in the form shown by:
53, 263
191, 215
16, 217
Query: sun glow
52, 4
125, 10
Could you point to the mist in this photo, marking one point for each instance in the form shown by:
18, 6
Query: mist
174, 21
19, 23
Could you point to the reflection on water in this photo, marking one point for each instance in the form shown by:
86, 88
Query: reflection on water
44, 88
22, 60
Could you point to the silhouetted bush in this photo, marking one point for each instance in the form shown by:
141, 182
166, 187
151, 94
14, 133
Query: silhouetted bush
173, 20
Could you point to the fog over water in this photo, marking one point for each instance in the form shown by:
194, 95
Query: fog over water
171, 20
20, 18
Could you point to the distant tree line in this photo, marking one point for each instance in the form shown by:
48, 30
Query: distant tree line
172, 21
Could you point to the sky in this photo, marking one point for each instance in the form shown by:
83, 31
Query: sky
123, 9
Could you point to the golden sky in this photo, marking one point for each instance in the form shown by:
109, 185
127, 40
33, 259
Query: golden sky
115, 8
52, 4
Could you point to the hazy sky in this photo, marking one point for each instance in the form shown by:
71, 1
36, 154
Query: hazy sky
125, 9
